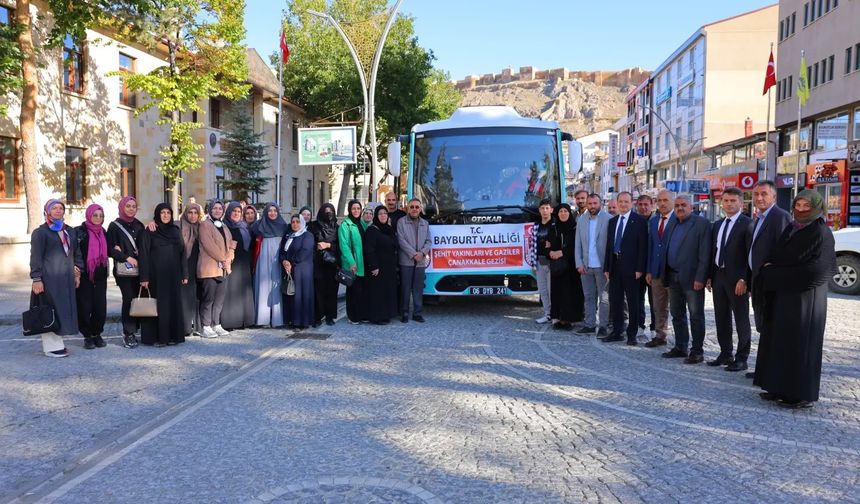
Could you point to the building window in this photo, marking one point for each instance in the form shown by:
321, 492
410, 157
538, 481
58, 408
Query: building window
9, 189
857, 124
815, 75
214, 113
277, 129
76, 175
295, 136
781, 27
790, 85
690, 131
793, 20
7, 15
294, 193
832, 133
322, 184
73, 65
219, 180
126, 66
826, 6
194, 116
127, 175
805, 14
820, 8
830, 62
856, 56
310, 193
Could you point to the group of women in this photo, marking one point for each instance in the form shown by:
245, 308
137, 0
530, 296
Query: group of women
211, 272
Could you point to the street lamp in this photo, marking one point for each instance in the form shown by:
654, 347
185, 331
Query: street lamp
368, 91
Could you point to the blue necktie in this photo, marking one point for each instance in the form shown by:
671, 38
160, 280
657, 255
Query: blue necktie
618, 233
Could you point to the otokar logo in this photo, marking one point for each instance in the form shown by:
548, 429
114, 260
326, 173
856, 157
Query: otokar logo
486, 219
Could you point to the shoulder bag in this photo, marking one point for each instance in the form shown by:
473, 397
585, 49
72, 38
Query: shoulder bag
143, 306
288, 286
126, 269
40, 318
345, 277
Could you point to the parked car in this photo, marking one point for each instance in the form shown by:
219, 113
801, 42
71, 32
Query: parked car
847, 277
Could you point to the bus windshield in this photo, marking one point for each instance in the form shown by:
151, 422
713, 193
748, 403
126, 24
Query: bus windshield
466, 169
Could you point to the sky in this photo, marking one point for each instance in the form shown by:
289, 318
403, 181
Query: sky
485, 36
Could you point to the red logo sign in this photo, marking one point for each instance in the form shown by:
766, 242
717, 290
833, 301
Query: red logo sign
747, 180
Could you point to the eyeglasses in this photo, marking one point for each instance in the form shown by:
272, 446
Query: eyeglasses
415, 206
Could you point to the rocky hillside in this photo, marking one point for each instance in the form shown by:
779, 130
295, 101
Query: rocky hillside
581, 107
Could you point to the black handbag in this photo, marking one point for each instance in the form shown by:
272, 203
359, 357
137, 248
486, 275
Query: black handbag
558, 267
40, 318
345, 277
328, 257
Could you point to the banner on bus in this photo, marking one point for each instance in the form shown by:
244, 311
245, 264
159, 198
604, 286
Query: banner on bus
478, 248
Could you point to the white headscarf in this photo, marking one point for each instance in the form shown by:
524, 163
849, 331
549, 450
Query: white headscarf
303, 226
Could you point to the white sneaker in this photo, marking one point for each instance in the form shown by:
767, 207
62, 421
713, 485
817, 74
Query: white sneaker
57, 354
221, 331
543, 320
208, 332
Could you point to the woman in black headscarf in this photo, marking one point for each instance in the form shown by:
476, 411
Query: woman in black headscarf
793, 282
163, 271
350, 235
239, 311
326, 261
380, 264
566, 286
270, 230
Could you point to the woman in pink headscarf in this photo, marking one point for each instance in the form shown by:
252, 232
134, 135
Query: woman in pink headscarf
92, 291
55, 265
122, 237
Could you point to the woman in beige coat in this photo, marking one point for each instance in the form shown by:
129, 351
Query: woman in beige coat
216, 255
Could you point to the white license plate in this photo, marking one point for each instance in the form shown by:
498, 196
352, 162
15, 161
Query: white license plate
488, 291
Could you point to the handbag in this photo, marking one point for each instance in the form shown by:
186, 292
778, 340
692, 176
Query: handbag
143, 306
288, 286
345, 277
40, 318
126, 269
328, 257
558, 267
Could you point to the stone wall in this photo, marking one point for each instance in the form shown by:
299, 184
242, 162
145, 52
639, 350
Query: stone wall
626, 77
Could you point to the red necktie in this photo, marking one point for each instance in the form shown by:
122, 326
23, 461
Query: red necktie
660, 227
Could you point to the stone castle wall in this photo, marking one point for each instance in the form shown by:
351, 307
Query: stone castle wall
626, 77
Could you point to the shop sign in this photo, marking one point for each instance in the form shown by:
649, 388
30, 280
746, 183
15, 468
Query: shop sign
665, 95
830, 172
746, 181
854, 198
788, 163
832, 130
854, 155
787, 181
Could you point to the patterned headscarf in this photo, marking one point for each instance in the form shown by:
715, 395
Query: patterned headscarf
190, 231
242, 226
818, 210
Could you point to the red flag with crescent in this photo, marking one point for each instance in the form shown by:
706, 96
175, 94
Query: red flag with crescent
285, 49
770, 78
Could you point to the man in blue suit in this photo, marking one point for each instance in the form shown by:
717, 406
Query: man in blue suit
657, 238
625, 263
687, 260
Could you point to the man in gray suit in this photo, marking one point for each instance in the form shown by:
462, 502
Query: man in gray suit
590, 244
687, 262
413, 237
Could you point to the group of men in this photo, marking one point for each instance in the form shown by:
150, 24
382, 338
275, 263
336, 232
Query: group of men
672, 256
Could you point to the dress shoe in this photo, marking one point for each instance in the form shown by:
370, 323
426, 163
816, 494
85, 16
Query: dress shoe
674, 353
404, 319
100, 343
329, 321
750, 374
586, 330
721, 360
795, 404
767, 396
694, 358
601, 332
612, 338
632, 342
418, 318
736, 366
317, 323
655, 342
89, 343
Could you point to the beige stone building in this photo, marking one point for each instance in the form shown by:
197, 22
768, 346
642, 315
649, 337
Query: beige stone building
706, 89
92, 148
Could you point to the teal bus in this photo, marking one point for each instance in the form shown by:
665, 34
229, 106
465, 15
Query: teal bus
480, 176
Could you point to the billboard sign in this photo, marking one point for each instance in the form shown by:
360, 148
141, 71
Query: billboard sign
327, 146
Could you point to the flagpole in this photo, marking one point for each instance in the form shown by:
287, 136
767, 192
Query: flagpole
797, 167
280, 125
767, 131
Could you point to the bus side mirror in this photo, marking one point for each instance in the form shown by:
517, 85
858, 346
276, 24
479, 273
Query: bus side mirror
574, 156
394, 159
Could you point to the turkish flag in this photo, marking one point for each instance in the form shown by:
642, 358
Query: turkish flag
770, 78
285, 49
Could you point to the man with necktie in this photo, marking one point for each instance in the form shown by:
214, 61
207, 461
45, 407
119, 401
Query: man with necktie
626, 255
728, 278
655, 277
768, 226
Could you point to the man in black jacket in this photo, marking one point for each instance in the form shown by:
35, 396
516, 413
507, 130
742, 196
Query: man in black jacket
728, 276
625, 261
768, 226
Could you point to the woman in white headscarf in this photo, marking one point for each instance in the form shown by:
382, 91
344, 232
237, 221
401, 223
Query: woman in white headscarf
297, 260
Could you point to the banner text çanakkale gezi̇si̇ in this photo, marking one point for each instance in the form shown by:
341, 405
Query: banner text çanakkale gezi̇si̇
478, 247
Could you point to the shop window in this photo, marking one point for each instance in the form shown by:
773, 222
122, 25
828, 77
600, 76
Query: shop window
832, 133
76, 175
9, 188
126, 67
73, 65
127, 174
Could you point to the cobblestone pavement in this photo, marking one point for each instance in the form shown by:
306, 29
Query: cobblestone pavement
480, 404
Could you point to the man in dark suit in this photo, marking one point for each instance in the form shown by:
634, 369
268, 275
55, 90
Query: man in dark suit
728, 276
769, 223
688, 253
626, 255
656, 272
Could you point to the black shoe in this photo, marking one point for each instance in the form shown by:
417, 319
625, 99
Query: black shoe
89, 343
749, 374
612, 338
329, 321
767, 396
562, 326
655, 342
601, 332
736, 366
674, 353
404, 319
795, 404
586, 330
632, 342
695, 358
100, 343
721, 360
317, 323
418, 318
129, 341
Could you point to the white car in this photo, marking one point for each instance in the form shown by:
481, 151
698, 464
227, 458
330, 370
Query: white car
847, 277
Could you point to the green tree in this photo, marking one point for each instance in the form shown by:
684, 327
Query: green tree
244, 155
10, 64
321, 75
205, 58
